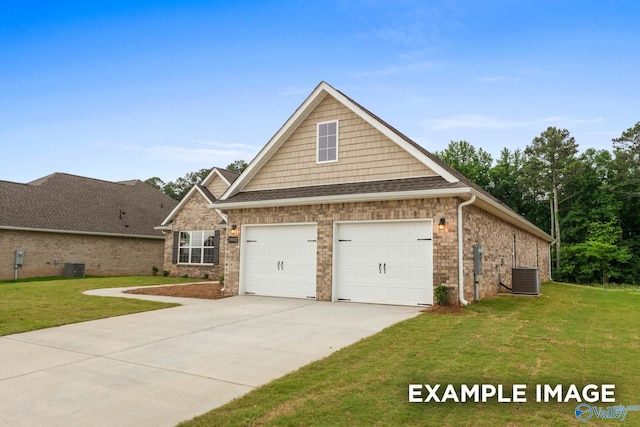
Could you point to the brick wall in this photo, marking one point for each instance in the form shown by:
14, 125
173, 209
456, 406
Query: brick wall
325, 214
46, 253
195, 215
496, 237
493, 233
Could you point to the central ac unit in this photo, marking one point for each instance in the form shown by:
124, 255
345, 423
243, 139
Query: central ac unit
525, 280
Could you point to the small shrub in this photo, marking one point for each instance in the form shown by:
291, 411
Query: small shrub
154, 270
442, 295
165, 273
221, 279
185, 275
205, 276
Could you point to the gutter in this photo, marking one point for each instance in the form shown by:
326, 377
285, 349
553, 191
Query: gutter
461, 252
84, 233
344, 198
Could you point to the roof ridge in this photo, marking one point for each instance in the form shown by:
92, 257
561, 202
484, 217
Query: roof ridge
44, 179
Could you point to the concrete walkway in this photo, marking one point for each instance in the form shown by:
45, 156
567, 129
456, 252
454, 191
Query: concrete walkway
161, 367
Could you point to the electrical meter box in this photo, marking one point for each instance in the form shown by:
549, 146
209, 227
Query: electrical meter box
477, 259
19, 256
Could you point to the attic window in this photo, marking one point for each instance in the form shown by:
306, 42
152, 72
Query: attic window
328, 142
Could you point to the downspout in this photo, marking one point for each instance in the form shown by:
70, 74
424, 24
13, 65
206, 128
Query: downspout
550, 273
461, 252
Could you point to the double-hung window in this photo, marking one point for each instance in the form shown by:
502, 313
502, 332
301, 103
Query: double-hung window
196, 247
327, 142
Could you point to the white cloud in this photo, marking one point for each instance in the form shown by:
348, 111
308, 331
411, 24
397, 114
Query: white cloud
479, 121
416, 67
219, 155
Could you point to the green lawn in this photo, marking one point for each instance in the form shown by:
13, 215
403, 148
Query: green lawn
36, 304
569, 335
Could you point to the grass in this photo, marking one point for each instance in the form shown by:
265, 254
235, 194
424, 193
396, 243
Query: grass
569, 335
31, 304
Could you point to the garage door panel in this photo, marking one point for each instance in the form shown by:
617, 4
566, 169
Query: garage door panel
395, 259
280, 260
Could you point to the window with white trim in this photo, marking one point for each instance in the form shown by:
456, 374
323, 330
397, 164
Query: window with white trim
327, 142
196, 247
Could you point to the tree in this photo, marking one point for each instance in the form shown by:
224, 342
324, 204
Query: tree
472, 163
155, 182
180, 187
626, 169
589, 196
237, 166
601, 255
549, 164
505, 177
630, 139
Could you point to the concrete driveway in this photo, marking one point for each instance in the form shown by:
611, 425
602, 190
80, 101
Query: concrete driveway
161, 367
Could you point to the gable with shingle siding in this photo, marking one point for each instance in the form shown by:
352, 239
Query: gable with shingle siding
217, 186
364, 154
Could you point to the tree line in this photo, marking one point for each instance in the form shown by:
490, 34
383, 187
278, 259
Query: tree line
180, 187
588, 202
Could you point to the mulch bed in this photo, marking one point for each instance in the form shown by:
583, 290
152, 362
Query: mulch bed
443, 309
196, 290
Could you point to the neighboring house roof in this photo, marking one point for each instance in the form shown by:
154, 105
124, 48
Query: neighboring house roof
450, 182
227, 176
73, 204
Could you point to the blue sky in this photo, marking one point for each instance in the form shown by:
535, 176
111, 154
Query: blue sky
134, 89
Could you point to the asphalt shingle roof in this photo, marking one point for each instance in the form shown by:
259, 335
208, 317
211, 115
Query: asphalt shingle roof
229, 175
370, 187
73, 203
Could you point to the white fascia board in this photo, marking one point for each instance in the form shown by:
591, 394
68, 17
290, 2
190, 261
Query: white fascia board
182, 203
178, 206
318, 94
222, 215
511, 216
83, 233
168, 227
276, 140
209, 177
346, 198
386, 131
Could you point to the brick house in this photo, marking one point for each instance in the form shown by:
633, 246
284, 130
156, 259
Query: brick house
339, 205
195, 236
62, 218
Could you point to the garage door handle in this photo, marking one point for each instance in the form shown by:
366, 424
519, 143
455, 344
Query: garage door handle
380, 268
278, 265
385, 268
282, 265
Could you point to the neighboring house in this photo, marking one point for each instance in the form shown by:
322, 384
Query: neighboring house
339, 205
195, 236
62, 218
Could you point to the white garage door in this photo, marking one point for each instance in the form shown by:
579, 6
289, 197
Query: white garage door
280, 260
388, 262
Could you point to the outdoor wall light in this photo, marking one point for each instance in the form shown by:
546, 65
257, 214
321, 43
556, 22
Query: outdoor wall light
234, 230
441, 224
